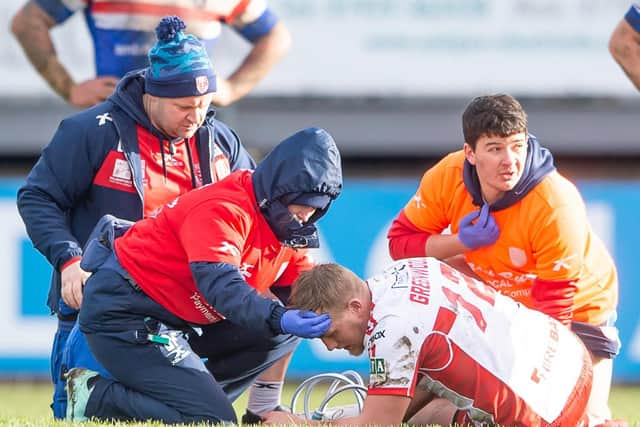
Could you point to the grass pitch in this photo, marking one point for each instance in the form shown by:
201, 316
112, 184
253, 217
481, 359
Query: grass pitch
27, 405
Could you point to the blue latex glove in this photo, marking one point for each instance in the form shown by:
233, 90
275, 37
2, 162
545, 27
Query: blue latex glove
305, 324
484, 232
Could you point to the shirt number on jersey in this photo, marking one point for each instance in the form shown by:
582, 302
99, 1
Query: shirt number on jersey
457, 300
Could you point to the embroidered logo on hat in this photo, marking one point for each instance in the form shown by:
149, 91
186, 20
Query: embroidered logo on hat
179, 65
202, 84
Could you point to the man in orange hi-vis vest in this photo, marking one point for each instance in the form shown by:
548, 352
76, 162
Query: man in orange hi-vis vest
521, 227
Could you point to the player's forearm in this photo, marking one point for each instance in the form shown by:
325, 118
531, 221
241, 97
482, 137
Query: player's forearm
266, 53
443, 246
31, 27
624, 46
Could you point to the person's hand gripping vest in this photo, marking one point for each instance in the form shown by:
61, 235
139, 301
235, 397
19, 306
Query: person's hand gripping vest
483, 232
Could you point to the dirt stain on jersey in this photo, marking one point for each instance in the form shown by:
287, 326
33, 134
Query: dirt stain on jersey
405, 365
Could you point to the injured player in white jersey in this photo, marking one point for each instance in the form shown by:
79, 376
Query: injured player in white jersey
444, 348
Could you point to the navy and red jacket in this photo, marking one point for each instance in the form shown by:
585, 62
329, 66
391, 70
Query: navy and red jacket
61, 201
208, 253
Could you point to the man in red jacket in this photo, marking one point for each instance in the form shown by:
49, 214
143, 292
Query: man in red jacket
200, 264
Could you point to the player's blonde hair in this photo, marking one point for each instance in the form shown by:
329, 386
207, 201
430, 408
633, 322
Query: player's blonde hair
326, 287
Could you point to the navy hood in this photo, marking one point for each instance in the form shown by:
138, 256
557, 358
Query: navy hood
128, 96
539, 163
306, 162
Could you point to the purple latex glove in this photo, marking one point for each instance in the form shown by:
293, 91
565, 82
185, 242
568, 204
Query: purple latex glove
305, 324
484, 232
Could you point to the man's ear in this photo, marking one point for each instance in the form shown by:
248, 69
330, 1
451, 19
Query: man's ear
355, 305
469, 154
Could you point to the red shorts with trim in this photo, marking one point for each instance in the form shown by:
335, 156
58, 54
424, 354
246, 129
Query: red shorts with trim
574, 411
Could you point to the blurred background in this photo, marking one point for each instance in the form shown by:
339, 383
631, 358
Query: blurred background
389, 80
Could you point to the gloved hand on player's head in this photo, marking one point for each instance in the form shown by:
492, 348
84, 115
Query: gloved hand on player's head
305, 324
484, 232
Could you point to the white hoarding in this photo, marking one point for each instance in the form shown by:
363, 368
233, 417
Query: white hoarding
403, 47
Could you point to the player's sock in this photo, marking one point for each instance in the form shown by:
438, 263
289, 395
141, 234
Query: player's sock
264, 396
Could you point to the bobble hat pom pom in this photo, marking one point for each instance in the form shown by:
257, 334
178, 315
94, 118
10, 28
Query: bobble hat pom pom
168, 27
179, 65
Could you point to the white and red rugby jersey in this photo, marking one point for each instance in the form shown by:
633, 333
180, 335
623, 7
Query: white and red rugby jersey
433, 327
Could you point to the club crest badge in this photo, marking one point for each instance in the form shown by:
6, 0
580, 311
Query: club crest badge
202, 84
518, 256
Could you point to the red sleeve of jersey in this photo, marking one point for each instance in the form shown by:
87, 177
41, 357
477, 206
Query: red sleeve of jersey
215, 232
302, 260
405, 239
554, 298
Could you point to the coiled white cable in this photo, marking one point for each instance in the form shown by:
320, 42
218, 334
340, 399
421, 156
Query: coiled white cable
340, 382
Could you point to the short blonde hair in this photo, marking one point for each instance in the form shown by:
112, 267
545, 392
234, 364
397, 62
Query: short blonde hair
324, 288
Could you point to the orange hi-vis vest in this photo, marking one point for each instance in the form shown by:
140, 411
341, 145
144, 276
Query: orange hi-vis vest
545, 238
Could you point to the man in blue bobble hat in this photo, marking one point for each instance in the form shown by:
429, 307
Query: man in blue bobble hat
168, 381
178, 63
154, 139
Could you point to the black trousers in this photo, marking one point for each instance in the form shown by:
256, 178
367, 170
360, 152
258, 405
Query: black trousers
166, 382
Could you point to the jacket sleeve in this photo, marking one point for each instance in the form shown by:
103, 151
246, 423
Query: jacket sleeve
62, 176
554, 298
223, 287
426, 213
229, 142
405, 239
301, 260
